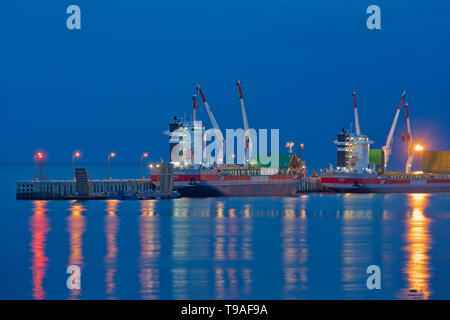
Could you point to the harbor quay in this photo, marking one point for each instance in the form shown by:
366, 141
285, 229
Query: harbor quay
70, 189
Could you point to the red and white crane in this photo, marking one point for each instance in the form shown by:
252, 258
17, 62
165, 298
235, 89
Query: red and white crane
247, 140
208, 109
387, 149
221, 141
409, 162
358, 131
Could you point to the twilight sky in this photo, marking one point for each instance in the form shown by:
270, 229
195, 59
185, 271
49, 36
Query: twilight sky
116, 83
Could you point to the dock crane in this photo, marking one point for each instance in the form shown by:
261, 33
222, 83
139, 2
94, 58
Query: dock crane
208, 109
213, 122
409, 162
247, 140
358, 131
387, 149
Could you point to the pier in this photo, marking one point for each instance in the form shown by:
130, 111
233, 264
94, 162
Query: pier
68, 189
309, 185
83, 188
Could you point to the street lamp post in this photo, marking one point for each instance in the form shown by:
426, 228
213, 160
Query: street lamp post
75, 155
300, 154
418, 148
37, 156
289, 145
144, 155
111, 155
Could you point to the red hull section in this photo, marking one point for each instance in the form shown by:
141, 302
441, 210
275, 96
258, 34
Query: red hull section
387, 184
208, 183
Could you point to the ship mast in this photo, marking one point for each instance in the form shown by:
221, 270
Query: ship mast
410, 143
358, 131
387, 149
247, 141
194, 111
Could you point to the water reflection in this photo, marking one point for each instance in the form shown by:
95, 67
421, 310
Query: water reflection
357, 231
295, 248
111, 229
76, 227
233, 234
39, 227
150, 243
418, 244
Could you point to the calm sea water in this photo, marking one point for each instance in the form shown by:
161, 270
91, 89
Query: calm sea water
315, 246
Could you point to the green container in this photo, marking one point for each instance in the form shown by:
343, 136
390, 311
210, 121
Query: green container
283, 160
376, 156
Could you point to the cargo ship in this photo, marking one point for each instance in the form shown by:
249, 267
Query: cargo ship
215, 179
233, 181
360, 169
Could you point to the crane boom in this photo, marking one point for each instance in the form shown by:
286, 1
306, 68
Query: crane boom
208, 109
247, 140
409, 162
220, 146
387, 149
358, 131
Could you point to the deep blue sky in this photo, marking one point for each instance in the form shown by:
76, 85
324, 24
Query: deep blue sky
115, 84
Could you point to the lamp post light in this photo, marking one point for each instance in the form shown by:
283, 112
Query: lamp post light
144, 155
289, 145
76, 154
38, 156
111, 155
300, 155
418, 148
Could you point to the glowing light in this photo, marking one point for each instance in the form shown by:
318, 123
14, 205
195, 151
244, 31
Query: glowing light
418, 147
40, 155
145, 154
150, 166
289, 145
112, 154
157, 165
418, 245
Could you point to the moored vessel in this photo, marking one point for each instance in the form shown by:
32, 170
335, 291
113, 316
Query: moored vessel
360, 169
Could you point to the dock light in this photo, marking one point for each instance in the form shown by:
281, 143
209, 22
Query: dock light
76, 154
289, 145
38, 156
144, 155
111, 155
418, 148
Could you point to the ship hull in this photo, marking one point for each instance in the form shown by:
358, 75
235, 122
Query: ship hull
360, 184
221, 189
207, 183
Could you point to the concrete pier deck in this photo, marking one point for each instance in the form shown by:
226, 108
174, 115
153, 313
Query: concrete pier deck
309, 184
68, 189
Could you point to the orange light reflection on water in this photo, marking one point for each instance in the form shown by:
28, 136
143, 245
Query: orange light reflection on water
39, 227
111, 229
76, 227
418, 244
150, 243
